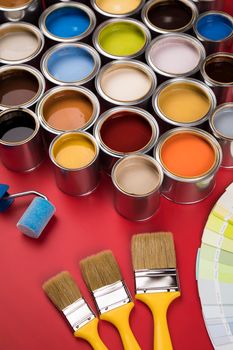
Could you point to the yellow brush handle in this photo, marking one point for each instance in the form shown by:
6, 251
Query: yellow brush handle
119, 317
89, 332
158, 303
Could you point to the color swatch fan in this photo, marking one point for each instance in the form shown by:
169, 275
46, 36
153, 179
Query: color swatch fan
215, 272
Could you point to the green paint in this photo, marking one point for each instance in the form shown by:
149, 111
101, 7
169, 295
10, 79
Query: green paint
122, 39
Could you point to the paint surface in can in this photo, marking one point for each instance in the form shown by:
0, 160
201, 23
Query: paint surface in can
184, 102
220, 69
126, 132
122, 39
14, 3
17, 128
214, 27
118, 7
70, 64
223, 121
67, 22
187, 155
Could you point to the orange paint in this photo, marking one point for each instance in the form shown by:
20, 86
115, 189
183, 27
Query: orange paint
187, 155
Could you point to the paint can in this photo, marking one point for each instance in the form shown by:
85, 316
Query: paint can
67, 22
76, 163
175, 55
21, 86
190, 159
21, 144
208, 5
20, 43
124, 130
221, 124
69, 108
217, 72
183, 102
215, 30
71, 64
169, 16
20, 10
137, 180
125, 83
117, 8
123, 38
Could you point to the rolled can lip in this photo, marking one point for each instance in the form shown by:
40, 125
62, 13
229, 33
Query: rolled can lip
55, 48
50, 9
215, 131
200, 132
37, 126
117, 20
196, 82
32, 28
203, 38
53, 91
165, 31
191, 39
107, 14
211, 82
18, 8
132, 63
140, 111
141, 156
82, 133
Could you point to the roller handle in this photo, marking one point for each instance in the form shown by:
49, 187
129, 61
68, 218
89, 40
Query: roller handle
90, 333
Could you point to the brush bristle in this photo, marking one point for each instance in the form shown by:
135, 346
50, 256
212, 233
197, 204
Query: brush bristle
100, 270
153, 251
62, 290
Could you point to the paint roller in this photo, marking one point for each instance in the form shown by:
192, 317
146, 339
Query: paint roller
36, 216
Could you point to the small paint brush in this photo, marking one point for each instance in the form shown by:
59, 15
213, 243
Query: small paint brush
154, 262
66, 296
103, 278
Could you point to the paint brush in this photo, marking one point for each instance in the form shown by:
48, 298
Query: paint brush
64, 293
156, 280
103, 278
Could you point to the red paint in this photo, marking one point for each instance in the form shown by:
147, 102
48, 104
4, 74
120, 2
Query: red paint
126, 132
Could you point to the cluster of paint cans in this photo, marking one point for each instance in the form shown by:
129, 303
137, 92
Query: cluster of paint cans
124, 86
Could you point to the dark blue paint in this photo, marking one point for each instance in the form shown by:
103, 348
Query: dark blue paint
67, 22
214, 27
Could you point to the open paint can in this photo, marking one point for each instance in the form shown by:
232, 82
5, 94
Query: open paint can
124, 130
169, 16
121, 38
217, 72
67, 109
137, 181
21, 144
117, 8
67, 22
20, 10
75, 162
66, 64
175, 55
215, 30
184, 102
221, 124
20, 86
208, 5
20, 43
190, 159
125, 83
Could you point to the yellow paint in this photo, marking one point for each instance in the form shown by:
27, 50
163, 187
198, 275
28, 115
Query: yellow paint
184, 102
73, 151
118, 7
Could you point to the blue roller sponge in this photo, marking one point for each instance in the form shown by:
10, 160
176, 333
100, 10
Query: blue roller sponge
36, 217
4, 203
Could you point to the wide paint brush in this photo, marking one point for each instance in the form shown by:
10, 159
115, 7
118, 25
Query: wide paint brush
66, 296
157, 285
103, 278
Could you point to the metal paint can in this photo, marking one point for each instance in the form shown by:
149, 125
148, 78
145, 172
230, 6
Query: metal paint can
24, 10
124, 130
208, 5
21, 144
75, 158
221, 124
137, 181
119, 10
189, 177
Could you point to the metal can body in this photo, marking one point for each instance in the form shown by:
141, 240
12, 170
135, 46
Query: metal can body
208, 5
28, 12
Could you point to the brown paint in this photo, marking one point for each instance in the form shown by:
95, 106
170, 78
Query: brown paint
220, 69
14, 3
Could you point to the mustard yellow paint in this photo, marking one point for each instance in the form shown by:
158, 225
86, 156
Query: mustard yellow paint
118, 7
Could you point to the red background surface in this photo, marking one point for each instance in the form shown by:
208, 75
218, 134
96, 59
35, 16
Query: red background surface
84, 226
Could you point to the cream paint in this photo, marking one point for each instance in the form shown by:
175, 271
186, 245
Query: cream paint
118, 7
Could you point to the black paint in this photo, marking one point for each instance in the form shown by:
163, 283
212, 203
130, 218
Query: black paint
16, 126
220, 69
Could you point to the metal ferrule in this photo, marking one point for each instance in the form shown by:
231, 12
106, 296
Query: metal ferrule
112, 296
107, 14
207, 5
156, 281
78, 314
28, 12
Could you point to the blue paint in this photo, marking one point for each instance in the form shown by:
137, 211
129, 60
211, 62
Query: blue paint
67, 22
214, 27
70, 64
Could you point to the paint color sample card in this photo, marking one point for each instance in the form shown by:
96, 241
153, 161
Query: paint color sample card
214, 272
